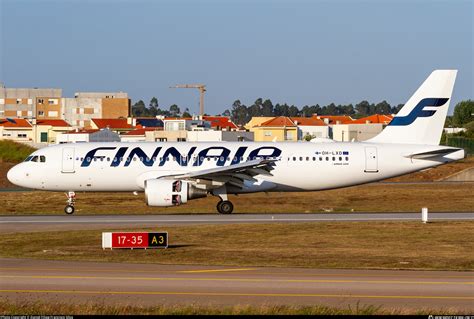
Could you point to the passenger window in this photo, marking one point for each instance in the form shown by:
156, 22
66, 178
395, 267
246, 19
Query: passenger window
320, 158
42, 159
314, 159
327, 158
347, 158
340, 158
307, 158
294, 158
333, 158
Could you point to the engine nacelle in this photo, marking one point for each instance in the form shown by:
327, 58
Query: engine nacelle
166, 192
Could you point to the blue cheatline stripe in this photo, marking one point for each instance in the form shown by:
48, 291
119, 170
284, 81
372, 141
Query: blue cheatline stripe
418, 111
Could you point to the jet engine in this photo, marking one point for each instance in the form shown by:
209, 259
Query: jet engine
166, 192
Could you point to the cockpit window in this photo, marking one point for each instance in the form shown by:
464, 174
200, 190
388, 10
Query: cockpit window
28, 158
37, 159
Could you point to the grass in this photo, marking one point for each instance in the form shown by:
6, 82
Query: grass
42, 308
14, 152
446, 197
355, 245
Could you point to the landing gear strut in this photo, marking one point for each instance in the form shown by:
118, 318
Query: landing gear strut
71, 200
224, 206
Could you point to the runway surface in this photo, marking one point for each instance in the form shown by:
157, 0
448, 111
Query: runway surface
64, 222
145, 284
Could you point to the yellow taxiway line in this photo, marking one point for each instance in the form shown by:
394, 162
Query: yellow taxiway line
213, 270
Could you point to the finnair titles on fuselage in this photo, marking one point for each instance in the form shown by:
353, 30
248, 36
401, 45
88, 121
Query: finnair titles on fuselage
173, 173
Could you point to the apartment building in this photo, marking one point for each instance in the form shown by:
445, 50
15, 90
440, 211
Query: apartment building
85, 106
29, 103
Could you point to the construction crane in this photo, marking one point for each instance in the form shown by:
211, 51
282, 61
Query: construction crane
200, 87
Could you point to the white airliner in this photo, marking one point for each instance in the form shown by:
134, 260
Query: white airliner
174, 173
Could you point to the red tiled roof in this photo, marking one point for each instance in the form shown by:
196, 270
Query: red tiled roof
220, 121
112, 123
376, 118
53, 122
308, 121
14, 123
279, 121
334, 119
141, 131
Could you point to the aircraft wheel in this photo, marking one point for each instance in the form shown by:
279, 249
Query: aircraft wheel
69, 209
225, 207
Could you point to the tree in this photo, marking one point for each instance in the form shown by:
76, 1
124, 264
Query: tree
463, 113
186, 113
226, 113
174, 110
331, 109
281, 110
383, 108
239, 113
256, 108
396, 109
139, 109
363, 108
293, 111
153, 107
267, 108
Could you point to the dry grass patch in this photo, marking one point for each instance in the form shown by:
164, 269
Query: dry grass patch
446, 197
42, 308
355, 245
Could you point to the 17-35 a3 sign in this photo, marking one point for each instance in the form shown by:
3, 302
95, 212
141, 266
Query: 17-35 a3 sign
135, 240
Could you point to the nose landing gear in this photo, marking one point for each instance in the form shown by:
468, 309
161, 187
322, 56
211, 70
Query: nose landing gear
71, 200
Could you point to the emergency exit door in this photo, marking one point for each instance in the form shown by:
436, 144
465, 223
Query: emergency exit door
68, 160
371, 162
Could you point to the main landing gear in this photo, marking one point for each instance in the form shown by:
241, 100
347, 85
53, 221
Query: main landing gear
224, 206
71, 200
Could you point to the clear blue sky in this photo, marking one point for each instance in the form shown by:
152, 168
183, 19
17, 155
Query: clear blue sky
298, 52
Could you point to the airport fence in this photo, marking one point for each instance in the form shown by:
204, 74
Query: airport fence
466, 143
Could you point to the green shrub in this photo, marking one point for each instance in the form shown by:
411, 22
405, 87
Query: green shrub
14, 152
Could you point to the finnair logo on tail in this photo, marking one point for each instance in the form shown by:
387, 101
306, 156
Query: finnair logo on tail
419, 111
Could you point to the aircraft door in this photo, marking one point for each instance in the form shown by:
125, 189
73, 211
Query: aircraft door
371, 161
68, 160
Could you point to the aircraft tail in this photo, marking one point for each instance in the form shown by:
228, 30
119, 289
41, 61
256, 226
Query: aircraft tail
421, 120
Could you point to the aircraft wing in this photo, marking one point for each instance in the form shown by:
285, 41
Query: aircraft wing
234, 175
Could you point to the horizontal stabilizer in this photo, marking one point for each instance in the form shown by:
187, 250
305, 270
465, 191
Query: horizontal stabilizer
434, 153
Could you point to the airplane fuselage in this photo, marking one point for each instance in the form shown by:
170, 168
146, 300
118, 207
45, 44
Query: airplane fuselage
300, 166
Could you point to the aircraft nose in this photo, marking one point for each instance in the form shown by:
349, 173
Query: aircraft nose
13, 175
